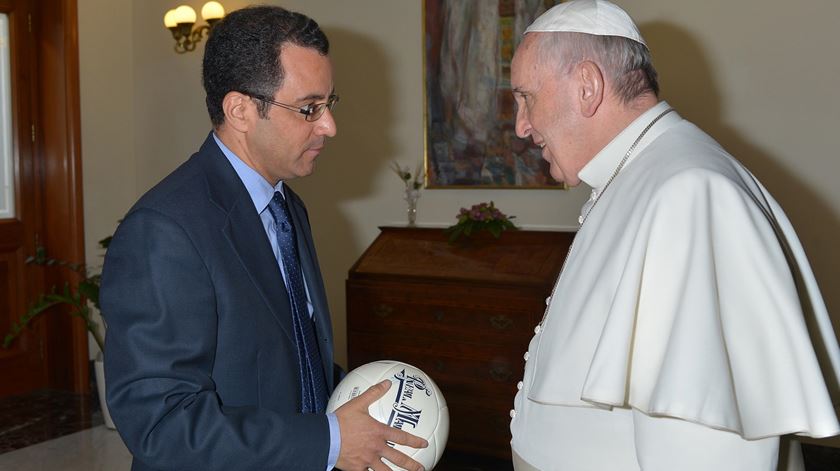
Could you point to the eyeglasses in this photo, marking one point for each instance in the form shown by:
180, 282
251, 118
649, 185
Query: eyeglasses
311, 112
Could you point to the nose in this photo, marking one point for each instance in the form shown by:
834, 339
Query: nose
325, 125
523, 126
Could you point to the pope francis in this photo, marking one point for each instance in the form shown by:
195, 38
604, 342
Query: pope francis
676, 335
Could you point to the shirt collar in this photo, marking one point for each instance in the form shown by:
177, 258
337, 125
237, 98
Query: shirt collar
258, 187
598, 171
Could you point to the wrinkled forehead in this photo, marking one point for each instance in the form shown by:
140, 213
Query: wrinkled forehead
527, 46
525, 61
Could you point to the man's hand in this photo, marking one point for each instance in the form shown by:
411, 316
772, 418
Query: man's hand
363, 439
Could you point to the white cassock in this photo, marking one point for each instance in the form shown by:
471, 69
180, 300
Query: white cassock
676, 337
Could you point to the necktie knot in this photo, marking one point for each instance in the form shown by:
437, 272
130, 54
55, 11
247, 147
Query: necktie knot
280, 212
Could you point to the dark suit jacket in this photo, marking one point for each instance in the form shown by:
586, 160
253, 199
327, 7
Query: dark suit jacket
200, 356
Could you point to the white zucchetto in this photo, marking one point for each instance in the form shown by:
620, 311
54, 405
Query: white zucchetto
597, 17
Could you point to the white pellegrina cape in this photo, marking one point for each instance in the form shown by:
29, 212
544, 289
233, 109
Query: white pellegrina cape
686, 295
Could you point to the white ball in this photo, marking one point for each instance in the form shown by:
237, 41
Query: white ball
414, 404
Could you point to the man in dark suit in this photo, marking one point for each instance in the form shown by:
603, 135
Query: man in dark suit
219, 348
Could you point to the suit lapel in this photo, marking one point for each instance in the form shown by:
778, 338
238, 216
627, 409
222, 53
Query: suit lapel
244, 232
247, 238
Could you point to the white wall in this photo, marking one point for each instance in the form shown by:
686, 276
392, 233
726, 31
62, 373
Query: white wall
759, 76
107, 112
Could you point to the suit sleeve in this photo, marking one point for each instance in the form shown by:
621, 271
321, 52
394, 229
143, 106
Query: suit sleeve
160, 306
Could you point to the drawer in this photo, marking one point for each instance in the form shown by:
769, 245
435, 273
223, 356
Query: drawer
479, 410
464, 313
477, 429
458, 368
482, 315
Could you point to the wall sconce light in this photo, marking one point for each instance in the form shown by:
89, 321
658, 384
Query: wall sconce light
181, 20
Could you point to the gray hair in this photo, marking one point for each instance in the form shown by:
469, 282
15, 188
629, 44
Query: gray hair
626, 64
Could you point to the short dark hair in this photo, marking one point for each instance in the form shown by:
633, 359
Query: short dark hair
243, 54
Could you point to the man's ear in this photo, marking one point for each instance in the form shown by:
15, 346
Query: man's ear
239, 111
591, 81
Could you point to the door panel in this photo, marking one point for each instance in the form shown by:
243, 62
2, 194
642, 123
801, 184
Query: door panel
47, 175
22, 366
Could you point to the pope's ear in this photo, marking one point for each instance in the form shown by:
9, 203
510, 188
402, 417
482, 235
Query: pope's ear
591, 81
238, 109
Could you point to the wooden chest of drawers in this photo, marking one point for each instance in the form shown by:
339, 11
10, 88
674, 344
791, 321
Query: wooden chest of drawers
463, 313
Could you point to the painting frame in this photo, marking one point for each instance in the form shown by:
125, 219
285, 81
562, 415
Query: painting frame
469, 139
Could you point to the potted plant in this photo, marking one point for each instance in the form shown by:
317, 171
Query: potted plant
413, 184
79, 299
480, 217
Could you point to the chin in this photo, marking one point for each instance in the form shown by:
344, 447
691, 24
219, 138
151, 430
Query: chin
305, 172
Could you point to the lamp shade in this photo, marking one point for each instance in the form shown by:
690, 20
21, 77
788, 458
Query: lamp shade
170, 19
212, 11
184, 14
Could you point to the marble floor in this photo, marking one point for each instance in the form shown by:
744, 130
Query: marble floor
43, 415
94, 449
55, 430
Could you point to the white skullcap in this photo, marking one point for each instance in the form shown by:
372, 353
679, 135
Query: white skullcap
598, 17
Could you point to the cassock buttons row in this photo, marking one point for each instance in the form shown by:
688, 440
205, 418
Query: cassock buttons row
527, 355
519, 388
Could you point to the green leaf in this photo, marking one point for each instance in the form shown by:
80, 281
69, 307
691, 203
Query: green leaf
455, 233
40, 254
89, 288
76, 296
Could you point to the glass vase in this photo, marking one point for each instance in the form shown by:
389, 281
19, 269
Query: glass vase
411, 197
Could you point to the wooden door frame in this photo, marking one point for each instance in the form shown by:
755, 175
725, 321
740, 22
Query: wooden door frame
58, 157
19, 234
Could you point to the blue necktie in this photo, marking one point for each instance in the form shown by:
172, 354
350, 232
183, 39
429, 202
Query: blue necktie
313, 384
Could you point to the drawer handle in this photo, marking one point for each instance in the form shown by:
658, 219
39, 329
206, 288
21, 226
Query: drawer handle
382, 311
501, 373
438, 315
501, 322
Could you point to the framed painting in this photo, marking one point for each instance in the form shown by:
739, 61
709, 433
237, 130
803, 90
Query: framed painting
470, 141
